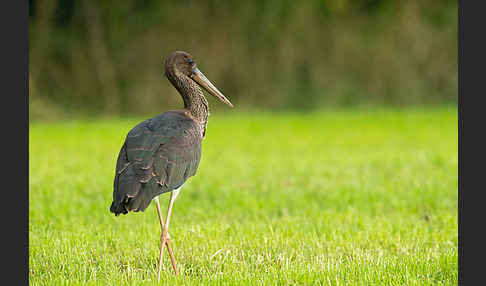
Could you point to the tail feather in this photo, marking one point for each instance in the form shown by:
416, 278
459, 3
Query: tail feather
118, 208
130, 194
126, 187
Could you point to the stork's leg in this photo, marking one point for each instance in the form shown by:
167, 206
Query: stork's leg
165, 238
162, 243
173, 196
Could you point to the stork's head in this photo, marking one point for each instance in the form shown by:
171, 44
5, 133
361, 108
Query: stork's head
182, 62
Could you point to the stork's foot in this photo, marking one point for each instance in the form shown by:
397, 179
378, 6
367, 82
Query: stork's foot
165, 240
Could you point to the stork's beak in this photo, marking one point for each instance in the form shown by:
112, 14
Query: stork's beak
198, 77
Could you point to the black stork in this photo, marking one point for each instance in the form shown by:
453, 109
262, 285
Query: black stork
161, 153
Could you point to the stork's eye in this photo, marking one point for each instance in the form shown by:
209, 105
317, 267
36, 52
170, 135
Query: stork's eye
190, 61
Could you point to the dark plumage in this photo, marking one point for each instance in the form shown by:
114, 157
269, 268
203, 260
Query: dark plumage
161, 153
158, 156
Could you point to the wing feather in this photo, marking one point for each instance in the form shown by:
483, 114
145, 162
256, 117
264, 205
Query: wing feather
158, 156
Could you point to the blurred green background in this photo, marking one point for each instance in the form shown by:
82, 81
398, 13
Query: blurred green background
337, 165
105, 57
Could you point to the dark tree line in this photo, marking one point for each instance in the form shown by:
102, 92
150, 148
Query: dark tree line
106, 56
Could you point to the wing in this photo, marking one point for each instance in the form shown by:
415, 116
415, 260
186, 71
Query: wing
158, 156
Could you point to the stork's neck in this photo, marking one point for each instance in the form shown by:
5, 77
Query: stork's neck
192, 95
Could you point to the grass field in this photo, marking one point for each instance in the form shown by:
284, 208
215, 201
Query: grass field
327, 198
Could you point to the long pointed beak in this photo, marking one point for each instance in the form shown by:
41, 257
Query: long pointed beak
198, 77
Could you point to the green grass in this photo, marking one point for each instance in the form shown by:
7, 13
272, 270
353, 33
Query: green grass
328, 198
